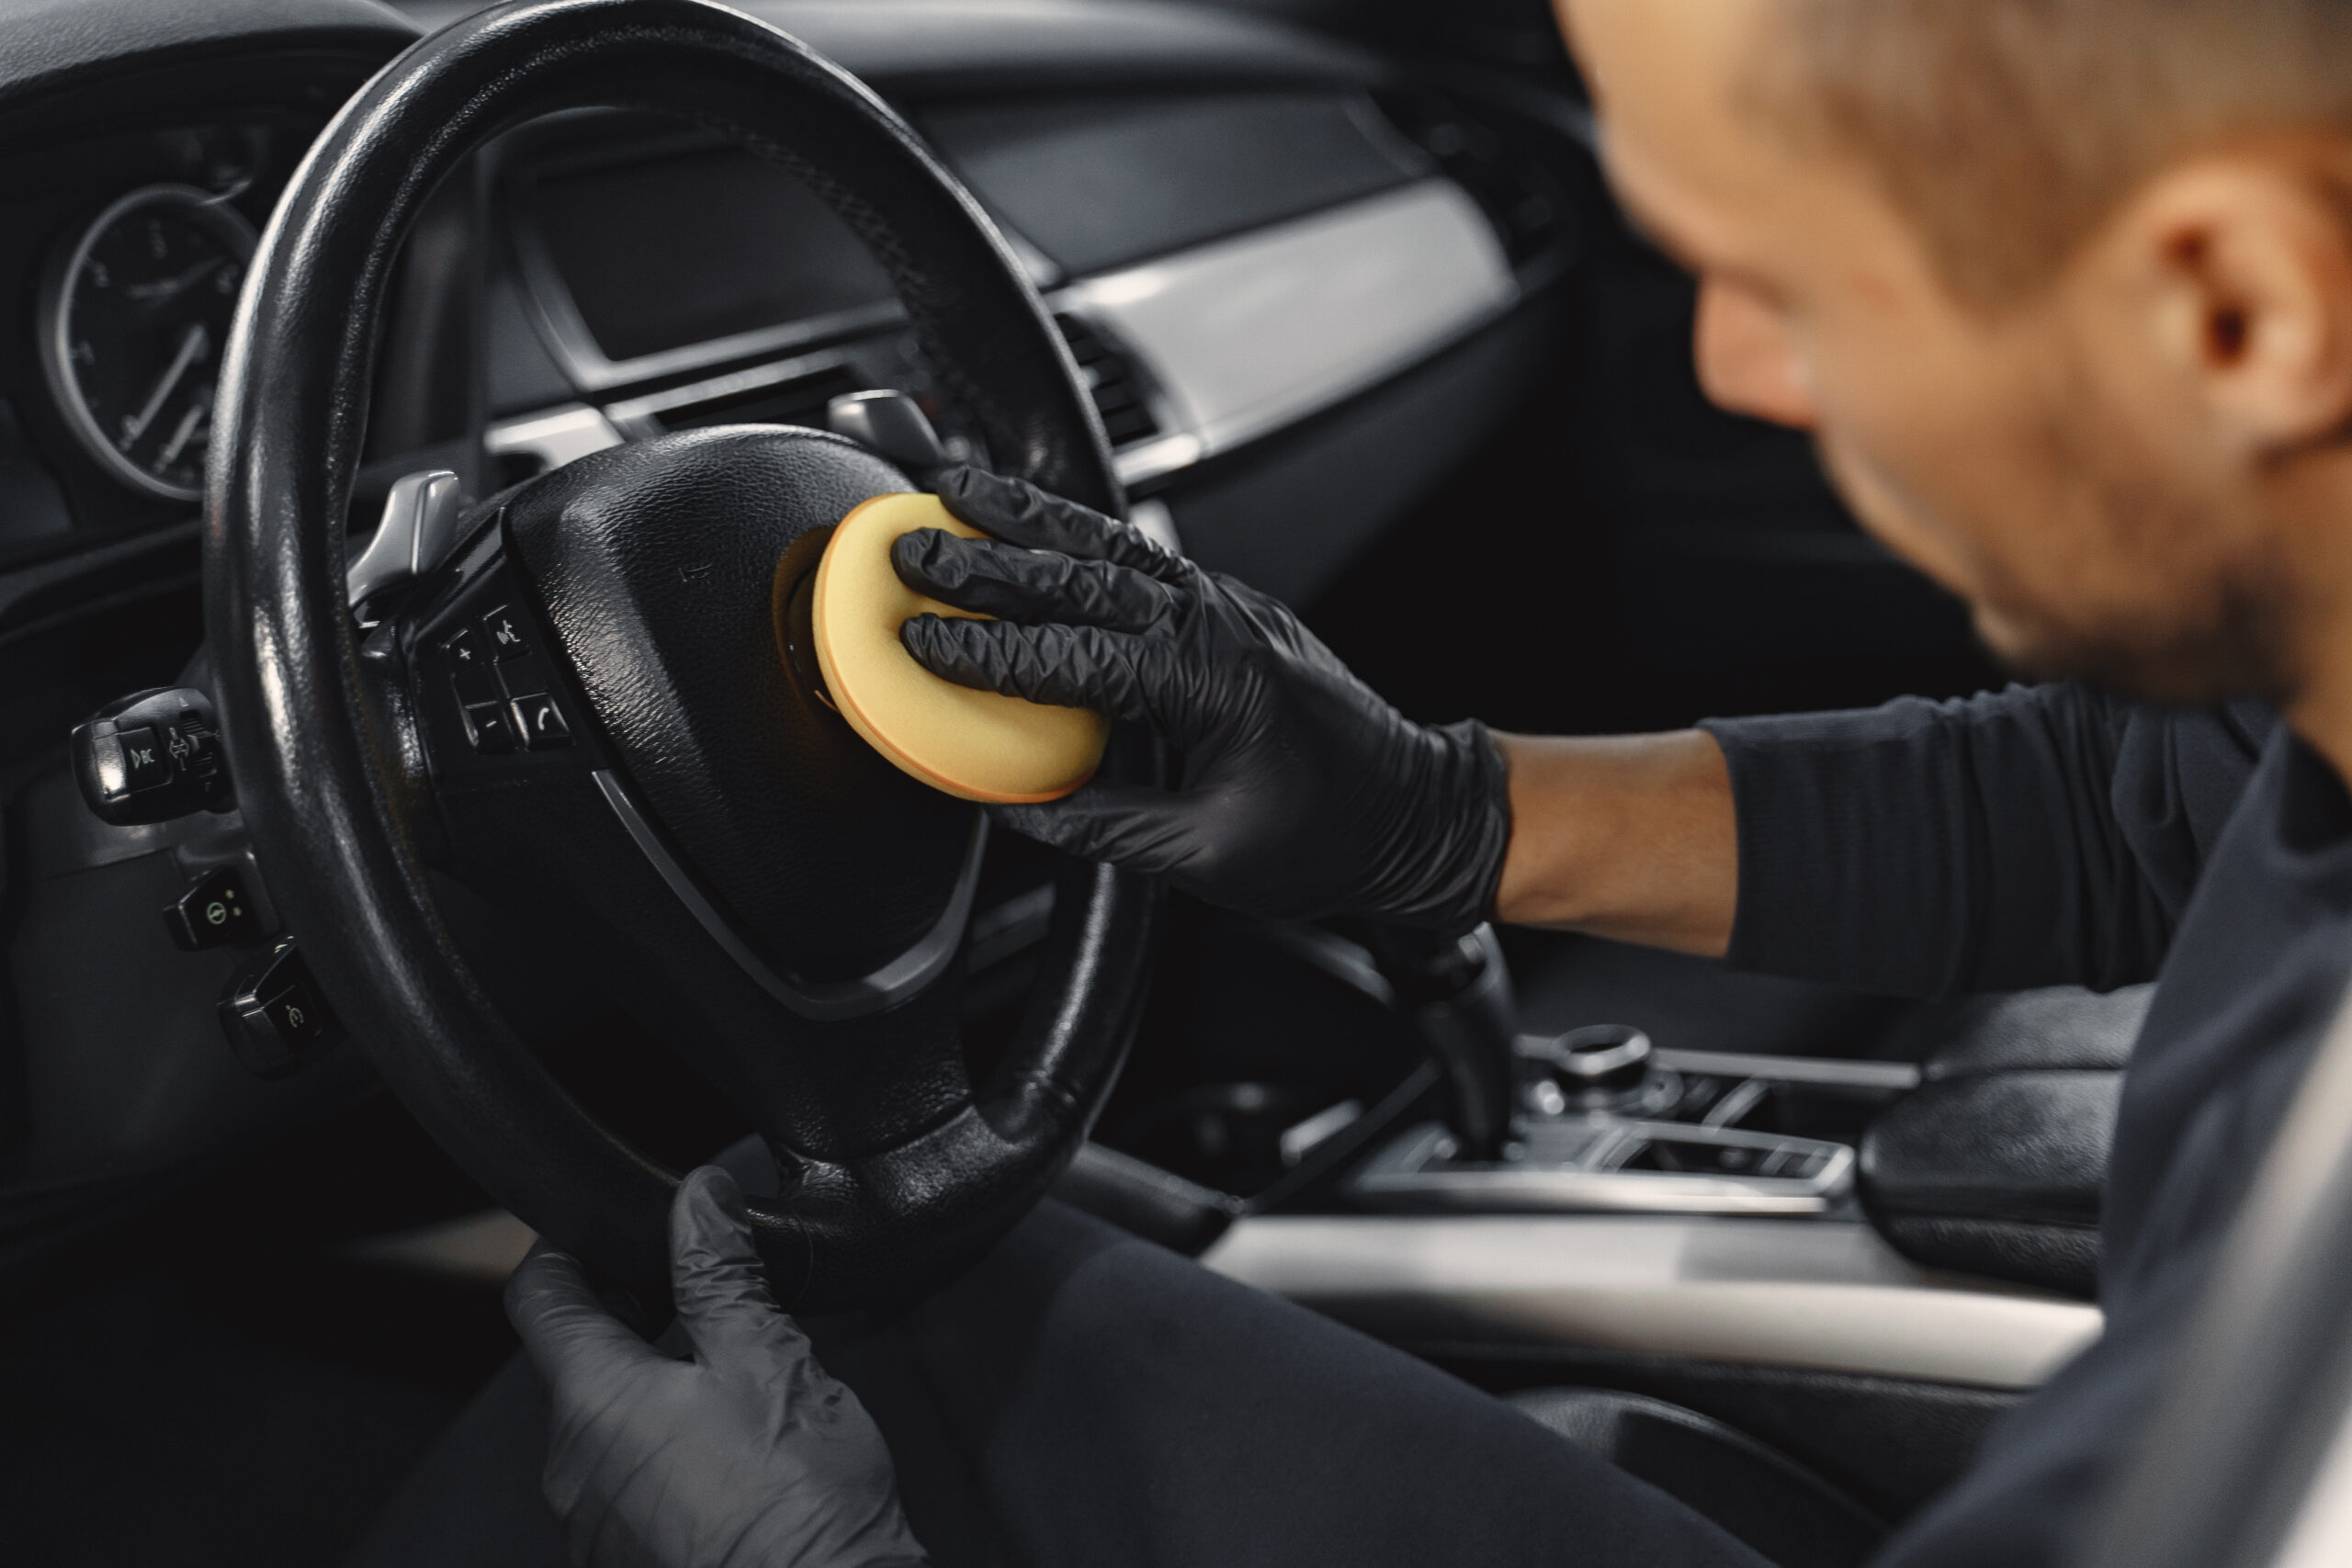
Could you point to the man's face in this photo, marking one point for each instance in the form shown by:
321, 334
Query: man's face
2039, 461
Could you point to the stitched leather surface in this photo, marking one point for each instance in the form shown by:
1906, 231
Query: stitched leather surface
327, 761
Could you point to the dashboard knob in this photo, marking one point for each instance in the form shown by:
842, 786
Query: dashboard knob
1600, 1062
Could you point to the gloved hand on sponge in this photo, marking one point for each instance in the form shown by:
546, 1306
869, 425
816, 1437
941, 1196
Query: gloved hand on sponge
1302, 794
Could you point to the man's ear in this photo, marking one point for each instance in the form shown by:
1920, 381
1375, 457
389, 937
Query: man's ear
1746, 359
2248, 263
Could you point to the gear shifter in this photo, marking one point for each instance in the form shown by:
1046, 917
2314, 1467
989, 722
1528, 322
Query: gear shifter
1457, 992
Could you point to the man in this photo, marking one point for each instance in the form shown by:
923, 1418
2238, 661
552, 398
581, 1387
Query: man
2064, 287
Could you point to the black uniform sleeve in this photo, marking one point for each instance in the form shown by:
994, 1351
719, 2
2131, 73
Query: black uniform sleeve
2037, 836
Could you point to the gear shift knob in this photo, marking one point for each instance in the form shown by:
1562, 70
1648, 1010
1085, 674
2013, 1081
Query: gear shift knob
1457, 992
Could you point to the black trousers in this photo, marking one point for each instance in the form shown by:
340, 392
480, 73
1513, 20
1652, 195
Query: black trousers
1083, 1398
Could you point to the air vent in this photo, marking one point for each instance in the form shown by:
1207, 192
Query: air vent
1112, 377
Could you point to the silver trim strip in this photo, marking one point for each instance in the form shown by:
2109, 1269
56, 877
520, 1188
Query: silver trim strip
1830, 1072
1152, 519
1818, 1295
1254, 333
556, 437
637, 416
819, 1002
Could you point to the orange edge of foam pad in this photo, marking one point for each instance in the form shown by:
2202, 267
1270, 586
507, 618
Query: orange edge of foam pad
885, 518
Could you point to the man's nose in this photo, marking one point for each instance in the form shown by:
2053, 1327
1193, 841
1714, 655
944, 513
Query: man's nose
1747, 362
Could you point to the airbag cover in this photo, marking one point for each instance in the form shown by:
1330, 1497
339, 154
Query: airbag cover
656, 564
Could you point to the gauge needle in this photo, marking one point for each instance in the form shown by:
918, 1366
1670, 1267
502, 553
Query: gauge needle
193, 343
164, 288
188, 421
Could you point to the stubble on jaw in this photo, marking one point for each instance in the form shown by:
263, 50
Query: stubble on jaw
2126, 586
2207, 615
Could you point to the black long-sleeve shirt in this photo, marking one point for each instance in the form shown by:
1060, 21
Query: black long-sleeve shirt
2049, 835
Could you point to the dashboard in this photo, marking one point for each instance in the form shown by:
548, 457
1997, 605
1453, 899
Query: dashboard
1301, 283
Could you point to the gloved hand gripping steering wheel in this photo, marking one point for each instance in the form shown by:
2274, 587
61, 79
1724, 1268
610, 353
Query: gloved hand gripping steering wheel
741, 872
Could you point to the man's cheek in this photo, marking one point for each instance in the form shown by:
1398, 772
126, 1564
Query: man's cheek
1892, 513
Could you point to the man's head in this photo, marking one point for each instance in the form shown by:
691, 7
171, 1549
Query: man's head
2063, 287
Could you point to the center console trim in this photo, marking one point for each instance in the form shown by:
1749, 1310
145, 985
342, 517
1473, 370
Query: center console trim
1412, 1172
1823, 1295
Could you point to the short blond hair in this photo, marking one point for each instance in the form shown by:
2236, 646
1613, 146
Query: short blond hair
2008, 130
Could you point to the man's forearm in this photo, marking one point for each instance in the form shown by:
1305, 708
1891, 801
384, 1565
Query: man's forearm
1631, 837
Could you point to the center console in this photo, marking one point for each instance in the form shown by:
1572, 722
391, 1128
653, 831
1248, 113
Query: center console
1607, 1121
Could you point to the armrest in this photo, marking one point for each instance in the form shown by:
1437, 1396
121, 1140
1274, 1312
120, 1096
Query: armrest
1996, 1163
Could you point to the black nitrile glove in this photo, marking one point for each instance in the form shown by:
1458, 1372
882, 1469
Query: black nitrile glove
1303, 793
747, 1456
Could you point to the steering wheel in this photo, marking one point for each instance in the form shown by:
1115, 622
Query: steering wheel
742, 875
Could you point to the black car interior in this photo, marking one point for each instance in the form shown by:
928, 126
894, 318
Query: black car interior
1334, 296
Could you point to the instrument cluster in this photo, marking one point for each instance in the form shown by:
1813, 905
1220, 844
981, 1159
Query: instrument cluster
129, 252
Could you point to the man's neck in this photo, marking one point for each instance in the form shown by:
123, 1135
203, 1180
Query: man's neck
2315, 582
2321, 715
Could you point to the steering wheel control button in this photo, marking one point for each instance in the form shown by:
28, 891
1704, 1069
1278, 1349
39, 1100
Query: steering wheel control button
213, 913
144, 765
274, 1014
502, 630
489, 728
972, 744
471, 668
541, 723
150, 755
298, 1015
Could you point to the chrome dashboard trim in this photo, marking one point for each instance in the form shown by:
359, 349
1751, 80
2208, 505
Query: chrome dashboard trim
1823, 1295
556, 437
637, 417
1248, 335
1234, 340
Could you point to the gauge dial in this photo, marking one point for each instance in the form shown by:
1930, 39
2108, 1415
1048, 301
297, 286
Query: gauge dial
134, 317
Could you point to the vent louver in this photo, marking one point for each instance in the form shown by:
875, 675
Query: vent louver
1113, 379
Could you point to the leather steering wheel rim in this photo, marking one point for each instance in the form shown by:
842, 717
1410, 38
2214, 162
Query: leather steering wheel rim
337, 791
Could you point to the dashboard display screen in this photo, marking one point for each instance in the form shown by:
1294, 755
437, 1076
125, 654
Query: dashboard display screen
696, 245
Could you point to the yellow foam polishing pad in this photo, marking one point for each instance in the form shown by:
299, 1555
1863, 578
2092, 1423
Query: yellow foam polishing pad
977, 745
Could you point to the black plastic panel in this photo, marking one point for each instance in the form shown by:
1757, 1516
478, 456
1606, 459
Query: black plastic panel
1096, 185
701, 243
